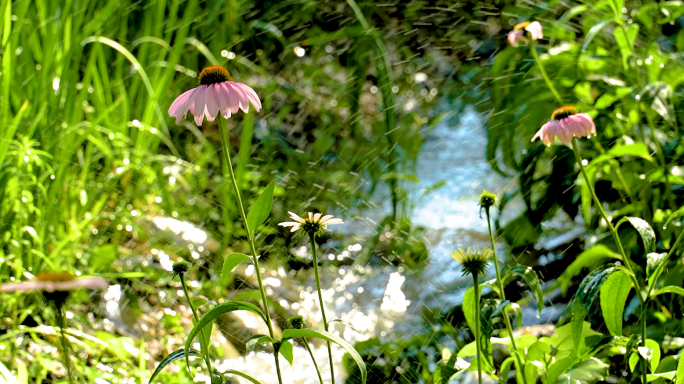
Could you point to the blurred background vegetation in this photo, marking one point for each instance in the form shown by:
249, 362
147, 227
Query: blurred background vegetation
96, 179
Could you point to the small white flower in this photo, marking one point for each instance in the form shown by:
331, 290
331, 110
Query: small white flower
315, 222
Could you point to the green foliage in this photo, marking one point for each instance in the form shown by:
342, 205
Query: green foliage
229, 263
613, 294
176, 355
261, 209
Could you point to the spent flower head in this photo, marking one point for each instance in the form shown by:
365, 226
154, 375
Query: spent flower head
534, 28
217, 93
472, 262
55, 286
296, 322
312, 224
180, 268
566, 123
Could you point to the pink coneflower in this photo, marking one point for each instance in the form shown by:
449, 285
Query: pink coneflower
565, 123
216, 93
534, 28
314, 223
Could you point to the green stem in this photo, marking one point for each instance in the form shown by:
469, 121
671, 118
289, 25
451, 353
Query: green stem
203, 341
545, 76
312, 237
616, 238
308, 348
661, 157
477, 327
61, 319
502, 296
225, 143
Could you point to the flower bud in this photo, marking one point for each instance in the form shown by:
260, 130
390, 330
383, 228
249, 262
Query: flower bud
180, 268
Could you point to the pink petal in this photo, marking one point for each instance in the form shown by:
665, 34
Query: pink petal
514, 36
535, 30
233, 98
212, 106
251, 95
540, 133
199, 104
242, 96
565, 132
179, 107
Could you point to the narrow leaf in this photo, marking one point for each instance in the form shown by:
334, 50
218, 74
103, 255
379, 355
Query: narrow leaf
468, 307
255, 340
229, 263
175, 355
308, 332
669, 289
217, 311
588, 258
261, 209
243, 375
679, 379
556, 369
614, 293
532, 280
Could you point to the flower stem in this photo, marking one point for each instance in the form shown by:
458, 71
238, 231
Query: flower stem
502, 296
625, 259
203, 341
225, 143
61, 319
476, 289
308, 348
312, 238
545, 76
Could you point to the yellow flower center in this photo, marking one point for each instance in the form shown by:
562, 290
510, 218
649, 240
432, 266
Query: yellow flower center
521, 25
57, 277
563, 112
213, 75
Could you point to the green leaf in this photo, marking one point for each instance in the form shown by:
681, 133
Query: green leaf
532, 280
669, 289
171, 357
645, 231
652, 356
614, 293
535, 360
309, 332
594, 31
556, 369
680, 370
217, 311
229, 263
285, 349
261, 209
468, 307
586, 293
255, 340
243, 375
625, 41
674, 215
577, 324
588, 258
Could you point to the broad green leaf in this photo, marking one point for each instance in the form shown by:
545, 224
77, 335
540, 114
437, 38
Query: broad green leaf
556, 369
651, 353
217, 311
286, 350
468, 307
669, 289
664, 375
589, 371
171, 357
614, 293
588, 258
535, 360
586, 293
680, 370
261, 209
532, 280
506, 368
645, 231
577, 323
308, 332
243, 375
229, 263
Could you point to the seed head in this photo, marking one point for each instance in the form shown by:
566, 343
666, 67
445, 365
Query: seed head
472, 262
487, 199
180, 268
296, 322
213, 75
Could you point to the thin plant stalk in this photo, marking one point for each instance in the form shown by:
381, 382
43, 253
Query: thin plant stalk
205, 347
502, 296
476, 289
312, 238
545, 76
308, 348
225, 144
625, 259
61, 320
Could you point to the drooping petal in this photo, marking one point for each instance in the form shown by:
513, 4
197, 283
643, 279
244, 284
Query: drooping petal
334, 221
295, 217
535, 30
212, 102
565, 132
325, 218
288, 223
241, 95
317, 217
250, 94
540, 132
199, 104
179, 108
588, 123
